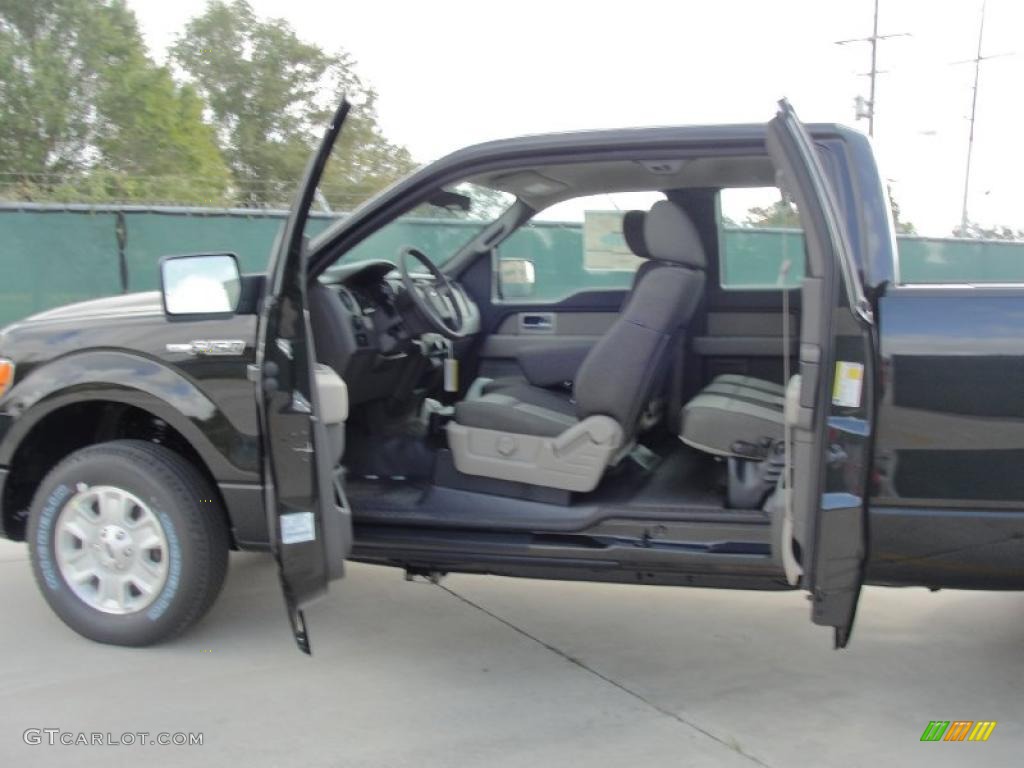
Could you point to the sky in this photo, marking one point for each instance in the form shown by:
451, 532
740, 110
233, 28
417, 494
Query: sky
454, 73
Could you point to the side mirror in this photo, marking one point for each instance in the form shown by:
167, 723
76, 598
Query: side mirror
517, 276
200, 284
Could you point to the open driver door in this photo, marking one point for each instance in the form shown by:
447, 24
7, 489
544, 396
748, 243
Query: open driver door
308, 519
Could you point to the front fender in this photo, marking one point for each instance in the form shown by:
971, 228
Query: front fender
229, 446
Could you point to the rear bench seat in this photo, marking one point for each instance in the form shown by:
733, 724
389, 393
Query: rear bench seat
734, 416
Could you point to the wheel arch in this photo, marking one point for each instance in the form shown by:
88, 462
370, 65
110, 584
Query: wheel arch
73, 426
80, 400
131, 379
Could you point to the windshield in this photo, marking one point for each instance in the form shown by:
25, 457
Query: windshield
439, 228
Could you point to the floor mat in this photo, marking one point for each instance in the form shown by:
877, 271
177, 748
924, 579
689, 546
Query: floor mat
382, 494
682, 477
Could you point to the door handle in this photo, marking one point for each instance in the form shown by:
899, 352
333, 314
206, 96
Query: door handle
537, 322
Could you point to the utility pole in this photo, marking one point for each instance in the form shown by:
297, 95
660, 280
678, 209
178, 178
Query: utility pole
974, 113
873, 74
978, 58
868, 110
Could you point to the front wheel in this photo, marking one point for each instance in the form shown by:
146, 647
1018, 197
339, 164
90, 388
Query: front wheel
128, 542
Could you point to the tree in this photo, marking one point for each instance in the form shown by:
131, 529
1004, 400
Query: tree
976, 231
781, 214
85, 114
271, 95
902, 227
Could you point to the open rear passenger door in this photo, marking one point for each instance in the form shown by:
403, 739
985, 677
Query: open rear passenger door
309, 523
822, 540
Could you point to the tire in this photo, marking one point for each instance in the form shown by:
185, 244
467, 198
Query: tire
128, 542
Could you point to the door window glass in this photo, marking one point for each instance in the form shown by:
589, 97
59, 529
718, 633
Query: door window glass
438, 227
573, 246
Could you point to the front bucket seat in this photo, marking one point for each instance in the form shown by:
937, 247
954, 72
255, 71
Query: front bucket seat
540, 438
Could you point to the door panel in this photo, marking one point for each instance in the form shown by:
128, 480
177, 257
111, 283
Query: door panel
309, 523
746, 343
829, 422
526, 335
561, 323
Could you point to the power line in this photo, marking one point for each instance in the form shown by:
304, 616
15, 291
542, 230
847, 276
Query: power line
867, 109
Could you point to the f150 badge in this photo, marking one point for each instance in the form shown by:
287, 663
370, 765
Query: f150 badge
210, 347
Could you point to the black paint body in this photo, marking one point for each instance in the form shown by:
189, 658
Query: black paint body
948, 497
947, 504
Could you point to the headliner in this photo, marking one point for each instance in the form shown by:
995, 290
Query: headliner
544, 185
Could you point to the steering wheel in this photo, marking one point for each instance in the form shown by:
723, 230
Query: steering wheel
438, 304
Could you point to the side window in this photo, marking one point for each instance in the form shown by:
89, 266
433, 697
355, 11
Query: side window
573, 246
758, 231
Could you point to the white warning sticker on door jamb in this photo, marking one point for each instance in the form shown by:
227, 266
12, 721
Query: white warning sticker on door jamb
297, 527
848, 385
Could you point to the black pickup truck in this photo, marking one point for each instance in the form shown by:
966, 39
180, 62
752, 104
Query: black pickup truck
835, 428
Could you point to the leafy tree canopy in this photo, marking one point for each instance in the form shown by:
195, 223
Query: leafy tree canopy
783, 214
901, 226
976, 231
86, 114
270, 94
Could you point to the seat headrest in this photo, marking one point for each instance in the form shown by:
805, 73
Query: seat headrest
633, 232
669, 235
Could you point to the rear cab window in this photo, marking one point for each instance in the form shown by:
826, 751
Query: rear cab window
757, 232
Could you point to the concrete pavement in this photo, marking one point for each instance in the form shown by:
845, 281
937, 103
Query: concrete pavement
506, 672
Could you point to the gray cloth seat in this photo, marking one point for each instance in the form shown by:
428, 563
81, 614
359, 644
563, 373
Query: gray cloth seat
558, 398
504, 411
732, 382
511, 432
732, 411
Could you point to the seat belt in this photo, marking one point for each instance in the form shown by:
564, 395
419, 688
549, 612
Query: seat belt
790, 566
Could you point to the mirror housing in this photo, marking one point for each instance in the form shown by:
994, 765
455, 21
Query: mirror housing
200, 284
451, 201
517, 278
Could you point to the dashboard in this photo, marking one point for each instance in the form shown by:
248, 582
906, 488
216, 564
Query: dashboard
374, 309
381, 345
